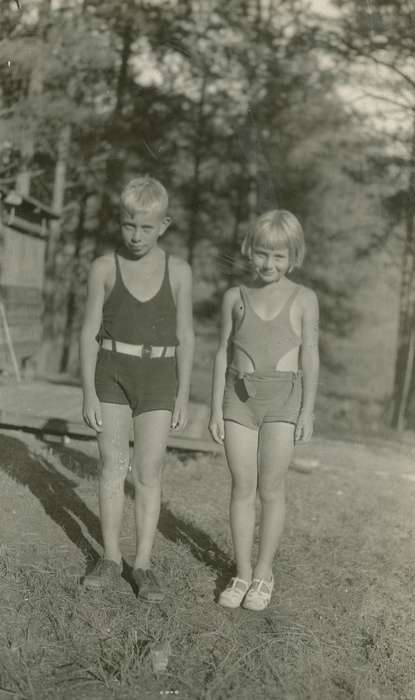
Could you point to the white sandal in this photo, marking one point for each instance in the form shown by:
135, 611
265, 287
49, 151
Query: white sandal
234, 593
259, 594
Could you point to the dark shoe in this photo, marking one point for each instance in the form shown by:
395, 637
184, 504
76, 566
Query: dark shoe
105, 573
148, 587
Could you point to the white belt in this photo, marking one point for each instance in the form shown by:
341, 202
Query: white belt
144, 351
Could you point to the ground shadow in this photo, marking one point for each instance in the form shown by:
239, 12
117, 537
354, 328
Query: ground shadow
55, 426
200, 544
61, 379
82, 465
54, 491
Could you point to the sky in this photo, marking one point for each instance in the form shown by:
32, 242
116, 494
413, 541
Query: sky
325, 7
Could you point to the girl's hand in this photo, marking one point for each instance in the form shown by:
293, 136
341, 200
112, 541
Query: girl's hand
216, 428
180, 414
91, 412
304, 427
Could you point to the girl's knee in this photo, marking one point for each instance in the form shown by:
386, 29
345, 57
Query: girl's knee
244, 490
271, 490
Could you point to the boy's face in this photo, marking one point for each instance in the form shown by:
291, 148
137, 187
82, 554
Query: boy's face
270, 264
141, 230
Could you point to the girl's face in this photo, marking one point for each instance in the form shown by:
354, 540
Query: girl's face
140, 231
270, 264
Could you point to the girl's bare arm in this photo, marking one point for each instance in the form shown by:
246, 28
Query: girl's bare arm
309, 351
220, 364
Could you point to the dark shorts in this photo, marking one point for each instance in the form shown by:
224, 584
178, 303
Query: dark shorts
254, 399
143, 384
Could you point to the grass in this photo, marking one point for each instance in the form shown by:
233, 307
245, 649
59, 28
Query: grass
341, 623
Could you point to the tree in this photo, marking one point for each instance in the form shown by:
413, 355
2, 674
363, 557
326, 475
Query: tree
378, 44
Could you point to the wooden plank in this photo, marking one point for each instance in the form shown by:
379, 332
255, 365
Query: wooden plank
23, 307
51, 408
33, 229
9, 342
15, 294
23, 259
61, 427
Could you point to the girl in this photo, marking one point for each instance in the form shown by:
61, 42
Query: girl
261, 402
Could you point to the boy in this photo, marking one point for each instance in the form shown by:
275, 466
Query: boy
136, 352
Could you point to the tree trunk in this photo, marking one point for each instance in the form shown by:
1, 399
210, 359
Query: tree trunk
197, 161
233, 273
27, 140
123, 73
47, 357
71, 302
404, 366
112, 169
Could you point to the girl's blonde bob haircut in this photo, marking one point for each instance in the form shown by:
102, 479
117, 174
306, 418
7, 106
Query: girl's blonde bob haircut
144, 194
277, 229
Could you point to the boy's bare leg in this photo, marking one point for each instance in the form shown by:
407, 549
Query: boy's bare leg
241, 445
151, 430
113, 444
276, 444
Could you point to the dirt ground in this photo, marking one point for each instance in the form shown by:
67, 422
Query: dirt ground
344, 574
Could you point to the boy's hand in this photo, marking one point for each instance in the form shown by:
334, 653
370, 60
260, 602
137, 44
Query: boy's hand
216, 428
91, 412
304, 427
180, 414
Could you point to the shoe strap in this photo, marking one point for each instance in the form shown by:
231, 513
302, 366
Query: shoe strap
259, 583
237, 580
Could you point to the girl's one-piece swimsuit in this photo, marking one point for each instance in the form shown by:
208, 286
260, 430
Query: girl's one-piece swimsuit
142, 383
265, 395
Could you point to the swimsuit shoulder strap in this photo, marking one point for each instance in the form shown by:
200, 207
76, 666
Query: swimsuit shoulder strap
244, 295
288, 304
166, 277
117, 266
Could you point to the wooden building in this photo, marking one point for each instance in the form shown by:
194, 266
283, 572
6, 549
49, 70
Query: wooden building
24, 228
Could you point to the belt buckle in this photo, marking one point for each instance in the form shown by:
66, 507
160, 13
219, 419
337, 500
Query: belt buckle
146, 351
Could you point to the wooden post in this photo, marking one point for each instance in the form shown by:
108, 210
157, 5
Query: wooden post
9, 342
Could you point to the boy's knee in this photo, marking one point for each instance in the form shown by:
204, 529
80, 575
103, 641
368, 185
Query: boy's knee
147, 475
113, 468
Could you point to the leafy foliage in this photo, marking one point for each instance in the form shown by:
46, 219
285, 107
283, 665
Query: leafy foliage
234, 106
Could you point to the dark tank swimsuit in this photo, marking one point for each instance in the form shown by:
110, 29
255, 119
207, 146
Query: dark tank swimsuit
143, 383
129, 320
264, 395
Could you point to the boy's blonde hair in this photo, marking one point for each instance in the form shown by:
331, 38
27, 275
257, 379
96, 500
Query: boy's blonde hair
275, 229
144, 194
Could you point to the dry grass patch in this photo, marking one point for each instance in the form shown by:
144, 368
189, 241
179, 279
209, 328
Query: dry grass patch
341, 624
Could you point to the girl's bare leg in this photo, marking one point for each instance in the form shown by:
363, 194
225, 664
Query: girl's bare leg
241, 445
151, 431
114, 450
276, 445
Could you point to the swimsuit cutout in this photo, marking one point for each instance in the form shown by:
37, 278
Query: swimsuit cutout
266, 342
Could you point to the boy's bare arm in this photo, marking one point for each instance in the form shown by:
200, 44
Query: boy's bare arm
182, 275
309, 352
88, 345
